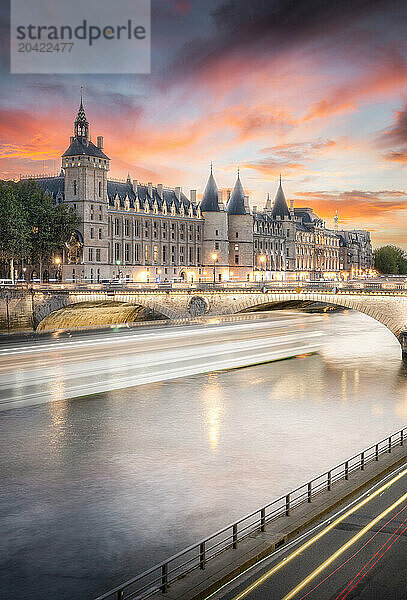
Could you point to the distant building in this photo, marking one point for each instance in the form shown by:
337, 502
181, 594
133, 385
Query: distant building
144, 232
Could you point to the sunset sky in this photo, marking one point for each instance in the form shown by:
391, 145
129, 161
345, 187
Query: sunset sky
315, 90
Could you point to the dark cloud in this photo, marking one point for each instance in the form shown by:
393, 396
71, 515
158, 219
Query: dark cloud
272, 26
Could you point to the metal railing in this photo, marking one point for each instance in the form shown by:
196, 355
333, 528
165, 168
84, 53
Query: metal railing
235, 286
197, 556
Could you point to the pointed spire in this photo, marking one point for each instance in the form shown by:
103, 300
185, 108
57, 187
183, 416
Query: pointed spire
236, 202
209, 202
128, 180
268, 203
280, 208
81, 126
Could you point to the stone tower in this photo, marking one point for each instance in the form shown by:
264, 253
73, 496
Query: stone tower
215, 232
240, 232
86, 166
280, 212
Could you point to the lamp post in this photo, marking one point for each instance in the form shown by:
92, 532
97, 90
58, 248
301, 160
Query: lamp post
214, 258
58, 262
24, 271
262, 259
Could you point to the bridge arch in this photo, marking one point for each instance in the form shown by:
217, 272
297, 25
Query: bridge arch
391, 311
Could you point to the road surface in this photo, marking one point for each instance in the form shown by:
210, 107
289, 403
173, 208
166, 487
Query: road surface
359, 552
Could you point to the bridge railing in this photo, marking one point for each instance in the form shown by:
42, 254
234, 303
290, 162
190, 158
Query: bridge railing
160, 577
277, 286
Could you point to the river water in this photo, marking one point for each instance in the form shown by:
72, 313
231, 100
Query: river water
96, 489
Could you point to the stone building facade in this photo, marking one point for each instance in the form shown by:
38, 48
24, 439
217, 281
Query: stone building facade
143, 232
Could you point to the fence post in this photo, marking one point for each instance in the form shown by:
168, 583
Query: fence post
287, 505
309, 491
377, 451
362, 461
164, 578
329, 482
202, 560
234, 545
263, 519
347, 470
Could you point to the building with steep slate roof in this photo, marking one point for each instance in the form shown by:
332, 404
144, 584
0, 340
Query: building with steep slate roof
137, 231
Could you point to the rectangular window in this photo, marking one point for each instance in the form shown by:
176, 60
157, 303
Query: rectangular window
182, 231
100, 233
173, 231
237, 234
155, 254
216, 245
198, 233
127, 228
91, 233
136, 228
100, 189
117, 251
75, 187
155, 232
236, 246
97, 254
146, 253
216, 231
91, 254
100, 212
236, 259
164, 251
191, 256
173, 256
116, 227
127, 253
198, 256
137, 253
181, 255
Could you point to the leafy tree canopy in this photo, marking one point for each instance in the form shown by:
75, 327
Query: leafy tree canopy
31, 224
391, 260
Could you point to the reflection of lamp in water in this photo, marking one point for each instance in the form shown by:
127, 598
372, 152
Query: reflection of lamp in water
214, 410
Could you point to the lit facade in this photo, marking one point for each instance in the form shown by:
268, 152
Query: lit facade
144, 232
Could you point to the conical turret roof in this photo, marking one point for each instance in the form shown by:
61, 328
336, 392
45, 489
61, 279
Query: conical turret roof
280, 208
209, 202
236, 202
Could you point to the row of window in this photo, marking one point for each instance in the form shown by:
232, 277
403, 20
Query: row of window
152, 254
157, 229
94, 254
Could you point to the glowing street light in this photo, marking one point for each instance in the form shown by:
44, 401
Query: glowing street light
262, 260
214, 258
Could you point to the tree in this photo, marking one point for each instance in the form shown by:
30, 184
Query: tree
32, 224
14, 237
391, 260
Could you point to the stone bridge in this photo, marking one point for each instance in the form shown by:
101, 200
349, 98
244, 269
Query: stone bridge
36, 306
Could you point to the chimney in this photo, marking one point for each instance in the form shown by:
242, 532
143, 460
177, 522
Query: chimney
246, 203
135, 183
254, 209
291, 206
100, 142
71, 139
178, 193
192, 196
229, 193
150, 189
220, 197
160, 190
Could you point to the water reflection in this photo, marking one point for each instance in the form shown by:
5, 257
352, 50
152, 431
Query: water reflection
212, 397
99, 488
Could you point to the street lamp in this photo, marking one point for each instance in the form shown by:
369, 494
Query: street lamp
24, 270
214, 258
262, 259
58, 262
